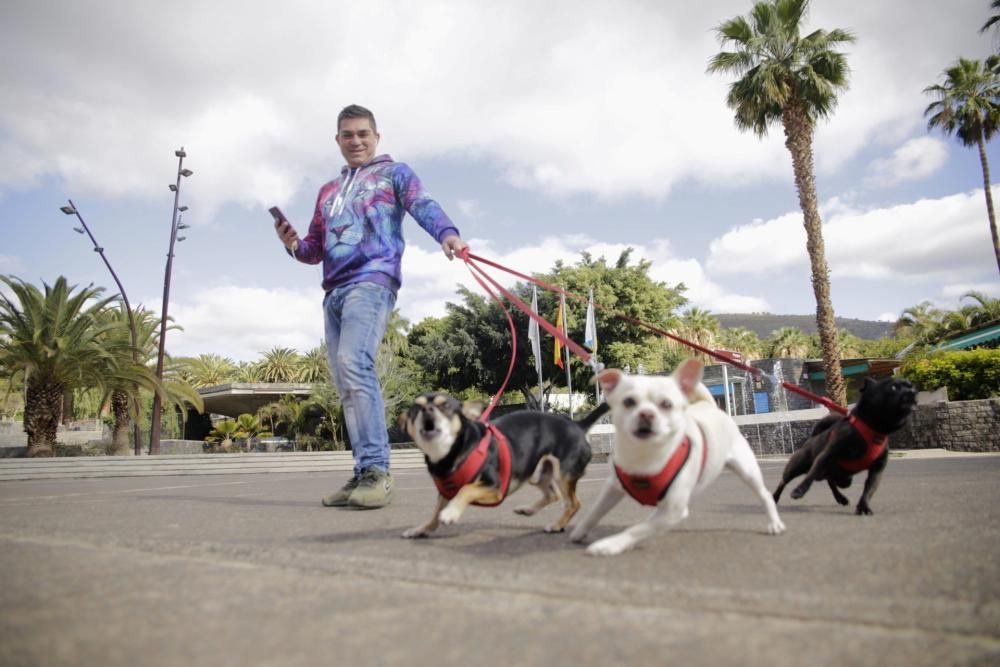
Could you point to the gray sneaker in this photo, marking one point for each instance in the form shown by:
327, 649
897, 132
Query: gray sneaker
374, 490
340, 498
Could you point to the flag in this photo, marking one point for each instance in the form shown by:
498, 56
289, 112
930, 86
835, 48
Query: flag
590, 329
533, 336
557, 356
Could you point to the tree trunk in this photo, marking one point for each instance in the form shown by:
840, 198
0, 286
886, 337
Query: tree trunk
67, 406
122, 421
42, 409
798, 140
988, 190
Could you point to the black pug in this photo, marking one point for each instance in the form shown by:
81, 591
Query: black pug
842, 446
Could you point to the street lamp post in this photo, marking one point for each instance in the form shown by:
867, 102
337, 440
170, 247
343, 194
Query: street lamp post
175, 225
72, 210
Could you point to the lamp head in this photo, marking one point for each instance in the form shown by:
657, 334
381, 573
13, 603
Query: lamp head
68, 210
186, 172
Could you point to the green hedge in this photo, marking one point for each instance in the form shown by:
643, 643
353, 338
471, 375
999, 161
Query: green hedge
968, 374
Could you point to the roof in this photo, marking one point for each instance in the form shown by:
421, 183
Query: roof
983, 334
240, 398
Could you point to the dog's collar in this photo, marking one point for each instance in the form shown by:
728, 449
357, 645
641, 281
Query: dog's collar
875, 444
649, 490
470, 468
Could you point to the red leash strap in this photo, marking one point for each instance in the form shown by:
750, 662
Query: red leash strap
470, 257
513, 338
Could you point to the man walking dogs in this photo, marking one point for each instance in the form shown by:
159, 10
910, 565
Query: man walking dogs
356, 231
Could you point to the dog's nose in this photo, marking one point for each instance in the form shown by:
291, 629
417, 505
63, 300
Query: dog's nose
646, 415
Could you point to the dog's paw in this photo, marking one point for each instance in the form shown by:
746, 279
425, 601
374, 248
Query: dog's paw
776, 527
416, 531
449, 515
863, 510
842, 500
524, 510
555, 528
800, 490
610, 546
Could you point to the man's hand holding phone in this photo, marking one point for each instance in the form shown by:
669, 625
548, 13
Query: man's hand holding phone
289, 237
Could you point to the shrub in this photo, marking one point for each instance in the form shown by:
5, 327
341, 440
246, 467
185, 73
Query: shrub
968, 374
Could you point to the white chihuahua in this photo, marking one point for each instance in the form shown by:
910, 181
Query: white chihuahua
671, 441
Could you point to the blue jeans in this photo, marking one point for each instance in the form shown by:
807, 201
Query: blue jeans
356, 318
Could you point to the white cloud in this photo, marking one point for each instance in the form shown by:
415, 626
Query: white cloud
611, 99
875, 244
470, 208
243, 322
913, 161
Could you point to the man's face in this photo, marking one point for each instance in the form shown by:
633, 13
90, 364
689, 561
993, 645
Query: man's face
357, 141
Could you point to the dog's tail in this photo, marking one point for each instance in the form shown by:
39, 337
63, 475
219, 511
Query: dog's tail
592, 418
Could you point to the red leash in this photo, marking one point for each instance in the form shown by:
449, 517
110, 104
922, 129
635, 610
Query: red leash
470, 258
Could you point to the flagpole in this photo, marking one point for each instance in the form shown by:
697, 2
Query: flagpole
536, 348
569, 378
590, 339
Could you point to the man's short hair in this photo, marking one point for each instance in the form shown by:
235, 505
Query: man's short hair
356, 111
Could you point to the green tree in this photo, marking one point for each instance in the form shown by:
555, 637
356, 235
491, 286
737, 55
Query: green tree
918, 321
968, 105
699, 326
792, 80
59, 339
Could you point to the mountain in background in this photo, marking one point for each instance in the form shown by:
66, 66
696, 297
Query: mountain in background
764, 324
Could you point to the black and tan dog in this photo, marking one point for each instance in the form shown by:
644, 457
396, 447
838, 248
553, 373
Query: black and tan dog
842, 446
481, 464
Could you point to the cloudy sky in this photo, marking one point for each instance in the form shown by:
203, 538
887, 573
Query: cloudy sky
544, 129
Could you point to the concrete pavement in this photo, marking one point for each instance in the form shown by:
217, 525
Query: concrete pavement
249, 569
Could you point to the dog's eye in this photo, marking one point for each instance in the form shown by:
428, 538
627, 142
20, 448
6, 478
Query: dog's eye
629, 402
666, 404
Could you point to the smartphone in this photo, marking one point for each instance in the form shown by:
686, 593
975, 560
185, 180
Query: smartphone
278, 216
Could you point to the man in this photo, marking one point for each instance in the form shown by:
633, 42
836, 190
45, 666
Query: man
356, 231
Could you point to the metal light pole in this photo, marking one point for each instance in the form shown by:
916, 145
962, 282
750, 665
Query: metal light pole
175, 225
72, 210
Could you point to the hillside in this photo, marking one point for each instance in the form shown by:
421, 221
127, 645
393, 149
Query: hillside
764, 324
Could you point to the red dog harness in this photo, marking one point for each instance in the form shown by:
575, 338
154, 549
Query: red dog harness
876, 443
650, 490
473, 464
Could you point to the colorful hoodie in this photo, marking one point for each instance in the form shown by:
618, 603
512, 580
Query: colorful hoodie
357, 231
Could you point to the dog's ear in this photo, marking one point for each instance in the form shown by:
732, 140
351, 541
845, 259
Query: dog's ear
472, 409
867, 384
688, 376
608, 378
402, 419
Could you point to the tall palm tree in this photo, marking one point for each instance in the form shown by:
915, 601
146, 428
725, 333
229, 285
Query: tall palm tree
56, 339
968, 105
792, 80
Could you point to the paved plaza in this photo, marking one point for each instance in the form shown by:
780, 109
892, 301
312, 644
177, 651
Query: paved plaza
250, 570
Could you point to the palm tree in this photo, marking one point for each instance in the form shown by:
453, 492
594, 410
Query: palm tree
249, 427
987, 310
788, 343
280, 364
699, 326
314, 366
59, 339
918, 321
994, 19
742, 340
968, 105
793, 80
206, 370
